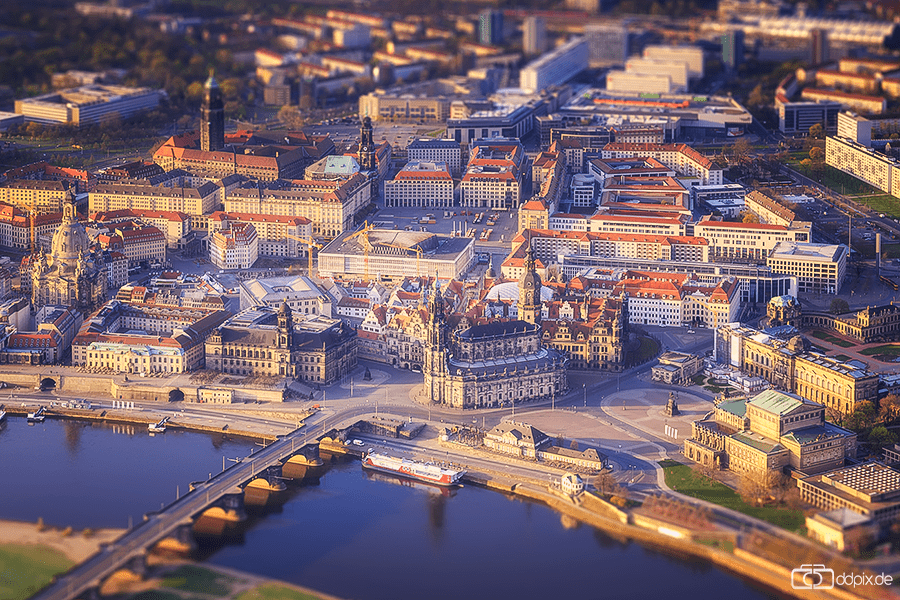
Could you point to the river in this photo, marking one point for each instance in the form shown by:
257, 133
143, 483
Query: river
350, 533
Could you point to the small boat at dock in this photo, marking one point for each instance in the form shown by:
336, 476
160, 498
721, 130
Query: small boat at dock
159, 427
36, 416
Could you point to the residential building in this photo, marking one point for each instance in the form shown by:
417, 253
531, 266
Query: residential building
678, 301
263, 341
175, 191
236, 247
534, 35
819, 268
768, 209
855, 128
874, 105
45, 197
80, 180
331, 206
15, 227
139, 243
549, 244
494, 175
867, 165
176, 226
421, 184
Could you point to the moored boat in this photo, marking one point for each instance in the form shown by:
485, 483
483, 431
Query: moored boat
405, 467
36, 416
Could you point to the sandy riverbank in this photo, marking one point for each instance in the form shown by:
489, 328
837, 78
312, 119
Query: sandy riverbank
76, 546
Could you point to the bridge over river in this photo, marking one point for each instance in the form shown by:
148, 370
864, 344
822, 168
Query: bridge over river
85, 579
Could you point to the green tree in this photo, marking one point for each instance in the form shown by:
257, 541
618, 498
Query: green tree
880, 437
839, 306
817, 131
862, 418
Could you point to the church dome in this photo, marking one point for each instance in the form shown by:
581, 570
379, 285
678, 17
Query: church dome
784, 301
70, 240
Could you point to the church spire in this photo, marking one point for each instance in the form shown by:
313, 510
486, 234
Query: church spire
530, 288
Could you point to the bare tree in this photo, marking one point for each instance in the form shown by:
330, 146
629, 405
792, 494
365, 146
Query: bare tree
606, 484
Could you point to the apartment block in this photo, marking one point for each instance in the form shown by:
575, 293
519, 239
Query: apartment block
421, 184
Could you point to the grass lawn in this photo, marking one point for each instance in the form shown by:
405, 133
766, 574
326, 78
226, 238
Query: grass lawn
274, 591
156, 595
24, 569
841, 357
699, 379
195, 579
824, 335
882, 203
888, 349
683, 479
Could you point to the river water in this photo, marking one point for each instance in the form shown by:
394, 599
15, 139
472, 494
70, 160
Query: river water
349, 533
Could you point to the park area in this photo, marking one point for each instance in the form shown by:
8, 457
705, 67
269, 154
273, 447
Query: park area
688, 481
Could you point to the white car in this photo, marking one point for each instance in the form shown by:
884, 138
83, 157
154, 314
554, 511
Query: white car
691, 331
358, 443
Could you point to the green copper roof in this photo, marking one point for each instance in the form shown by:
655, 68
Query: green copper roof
775, 402
735, 407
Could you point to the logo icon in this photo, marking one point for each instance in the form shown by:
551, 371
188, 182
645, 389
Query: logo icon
812, 577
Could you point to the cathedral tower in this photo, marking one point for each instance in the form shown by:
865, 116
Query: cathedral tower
436, 346
212, 117
530, 290
366, 155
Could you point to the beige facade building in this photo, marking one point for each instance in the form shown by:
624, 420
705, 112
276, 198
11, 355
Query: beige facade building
681, 157
170, 194
278, 235
400, 109
867, 165
421, 184
750, 242
871, 324
676, 367
768, 433
789, 365
263, 341
869, 489
45, 197
768, 209
135, 336
176, 226
329, 205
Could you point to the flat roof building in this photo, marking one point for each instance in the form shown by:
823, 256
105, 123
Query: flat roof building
819, 268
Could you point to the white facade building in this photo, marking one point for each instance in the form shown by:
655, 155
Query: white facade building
422, 184
234, 248
555, 67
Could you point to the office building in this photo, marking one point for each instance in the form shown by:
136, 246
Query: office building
490, 27
733, 48
555, 67
534, 35
422, 184
797, 117
300, 293
819, 268
447, 151
87, 105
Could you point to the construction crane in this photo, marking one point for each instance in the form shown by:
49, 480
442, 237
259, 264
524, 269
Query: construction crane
310, 245
417, 249
367, 246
